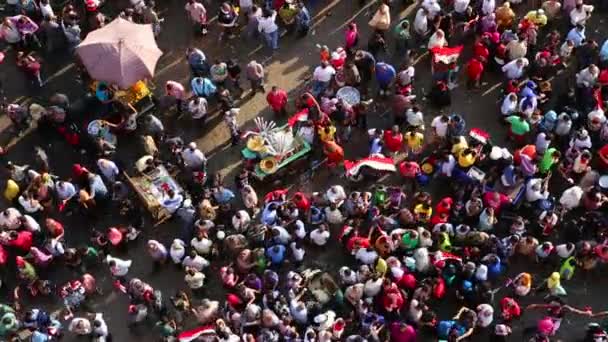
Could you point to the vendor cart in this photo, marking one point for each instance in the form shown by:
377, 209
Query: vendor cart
139, 95
272, 157
150, 189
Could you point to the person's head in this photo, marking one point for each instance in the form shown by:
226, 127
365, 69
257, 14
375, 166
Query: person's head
519, 62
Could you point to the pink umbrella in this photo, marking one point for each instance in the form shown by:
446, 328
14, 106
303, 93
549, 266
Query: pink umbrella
120, 53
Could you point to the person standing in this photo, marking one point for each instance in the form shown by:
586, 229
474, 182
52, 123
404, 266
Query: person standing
268, 27
277, 100
255, 75
230, 120
198, 15
303, 20
177, 91
322, 77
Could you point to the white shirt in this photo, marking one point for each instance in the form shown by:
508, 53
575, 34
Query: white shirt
534, 190
300, 230
299, 312
415, 118
11, 219
30, 205
46, 10
365, 256
102, 330
108, 168
372, 287
297, 253
485, 315
508, 107
322, 74
319, 237
460, 6
268, 25
334, 216
31, 224
195, 281
441, 128
198, 262
448, 166
284, 237
421, 24
580, 16
512, 71
488, 6
193, 158
571, 197
121, 268
202, 246
198, 110
563, 251
586, 78
542, 143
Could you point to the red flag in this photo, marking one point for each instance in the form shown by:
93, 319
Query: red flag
446, 55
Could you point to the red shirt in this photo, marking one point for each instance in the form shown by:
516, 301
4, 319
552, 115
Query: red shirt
393, 141
474, 69
277, 99
489, 201
604, 153
409, 169
480, 50
23, 241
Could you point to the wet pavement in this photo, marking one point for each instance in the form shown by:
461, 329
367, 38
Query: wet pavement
289, 68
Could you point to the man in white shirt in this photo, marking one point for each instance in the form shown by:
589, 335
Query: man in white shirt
108, 169
280, 235
100, 328
10, 219
460, 6
268, 27
440, 126
194, 279
65, 190
535, 191
321, 78
320, 235
515, 68
580, 14
198, 14
366, 256
197, 107
118, 267
414, 117
588, 76
509, 105
421, 22
193, 158
195, 261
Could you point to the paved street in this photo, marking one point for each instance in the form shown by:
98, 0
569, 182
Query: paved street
289, 68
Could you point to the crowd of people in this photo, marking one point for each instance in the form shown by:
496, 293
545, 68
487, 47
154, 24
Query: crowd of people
462, 211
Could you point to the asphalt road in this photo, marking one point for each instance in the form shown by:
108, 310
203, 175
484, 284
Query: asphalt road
288, 68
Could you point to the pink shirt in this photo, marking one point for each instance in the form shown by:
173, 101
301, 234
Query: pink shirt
177, 90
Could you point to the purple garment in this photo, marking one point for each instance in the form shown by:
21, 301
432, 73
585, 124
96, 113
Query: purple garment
28, 27
527, 166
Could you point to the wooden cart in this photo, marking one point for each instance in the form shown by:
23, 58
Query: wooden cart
149, 191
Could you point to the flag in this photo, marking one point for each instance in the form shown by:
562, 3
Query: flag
377, 162
446, 55
301, 116
193, 334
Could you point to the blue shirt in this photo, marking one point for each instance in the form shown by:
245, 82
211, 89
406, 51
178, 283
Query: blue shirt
375, 146
385, 74
205, 88
576, 36
98, 188
269, 216
223, 196
604, 51
276, 254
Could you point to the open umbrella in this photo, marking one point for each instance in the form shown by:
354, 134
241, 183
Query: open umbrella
120, 53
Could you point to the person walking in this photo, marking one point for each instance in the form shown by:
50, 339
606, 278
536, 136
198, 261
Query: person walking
268, 27
255, 75
277, 100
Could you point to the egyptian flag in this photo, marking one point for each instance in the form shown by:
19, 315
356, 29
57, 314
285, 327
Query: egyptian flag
377, 162
446, 55
301, 116
192, 335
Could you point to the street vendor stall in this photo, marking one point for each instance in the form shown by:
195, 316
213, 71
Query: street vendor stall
274, 151
121, 55
151, 188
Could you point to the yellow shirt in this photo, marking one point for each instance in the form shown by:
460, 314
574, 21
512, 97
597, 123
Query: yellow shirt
419, 210
327, 136
538, 20
11, 191
459, 146
414, 141
466, 160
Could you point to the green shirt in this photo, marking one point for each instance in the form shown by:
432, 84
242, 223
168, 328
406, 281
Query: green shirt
518, 125
547, 161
